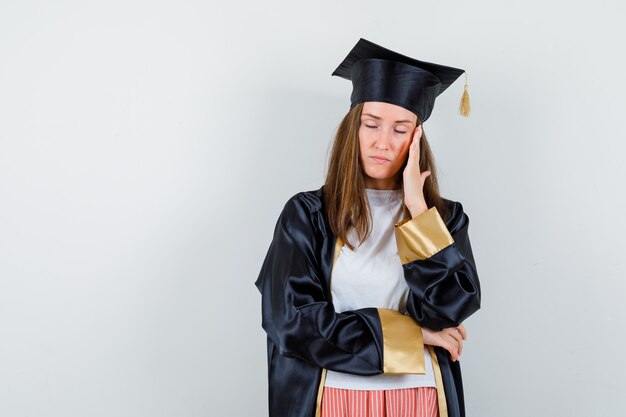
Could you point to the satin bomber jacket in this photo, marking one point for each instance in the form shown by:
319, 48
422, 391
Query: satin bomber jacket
305, 336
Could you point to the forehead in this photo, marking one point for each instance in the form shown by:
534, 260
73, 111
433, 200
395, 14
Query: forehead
388, 111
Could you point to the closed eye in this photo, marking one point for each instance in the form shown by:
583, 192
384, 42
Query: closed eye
374, 127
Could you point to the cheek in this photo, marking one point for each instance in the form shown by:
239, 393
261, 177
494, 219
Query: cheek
404, 150
406, 143
364, 140
363, 135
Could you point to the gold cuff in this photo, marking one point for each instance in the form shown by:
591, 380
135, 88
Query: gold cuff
422, 236
403, 342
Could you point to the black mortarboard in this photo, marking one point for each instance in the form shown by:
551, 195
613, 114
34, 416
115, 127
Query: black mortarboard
379, 74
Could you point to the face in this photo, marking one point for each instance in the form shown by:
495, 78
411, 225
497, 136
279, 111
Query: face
385, 135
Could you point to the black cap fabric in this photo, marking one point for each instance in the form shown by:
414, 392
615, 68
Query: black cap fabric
379, 74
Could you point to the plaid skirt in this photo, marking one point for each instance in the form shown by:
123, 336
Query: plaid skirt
404, 402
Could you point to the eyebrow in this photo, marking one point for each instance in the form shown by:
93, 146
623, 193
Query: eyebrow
378, 118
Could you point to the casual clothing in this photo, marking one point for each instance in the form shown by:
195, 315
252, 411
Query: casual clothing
371, 275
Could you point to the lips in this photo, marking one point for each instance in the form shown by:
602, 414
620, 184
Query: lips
379, 159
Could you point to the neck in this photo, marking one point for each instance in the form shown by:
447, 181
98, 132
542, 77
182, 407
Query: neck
382, 183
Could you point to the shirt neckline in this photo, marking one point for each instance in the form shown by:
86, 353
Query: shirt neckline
383, 195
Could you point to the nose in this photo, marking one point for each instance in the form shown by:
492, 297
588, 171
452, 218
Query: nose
383, 140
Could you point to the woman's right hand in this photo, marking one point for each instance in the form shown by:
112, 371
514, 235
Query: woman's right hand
449, 338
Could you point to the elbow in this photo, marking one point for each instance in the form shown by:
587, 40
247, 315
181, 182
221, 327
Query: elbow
442, 315
466, 305
288, 343
293, 335
468, 299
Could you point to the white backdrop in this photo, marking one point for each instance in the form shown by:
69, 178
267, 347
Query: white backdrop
147, 148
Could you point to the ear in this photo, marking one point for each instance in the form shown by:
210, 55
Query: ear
419, 131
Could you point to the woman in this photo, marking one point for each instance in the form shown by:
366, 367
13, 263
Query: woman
385, 338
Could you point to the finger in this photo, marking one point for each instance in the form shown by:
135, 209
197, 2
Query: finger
415, 142
409, 162
451, 345
417, 135
452, 331
457, 337
462, 330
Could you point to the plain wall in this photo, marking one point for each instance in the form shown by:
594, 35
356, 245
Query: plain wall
147, 148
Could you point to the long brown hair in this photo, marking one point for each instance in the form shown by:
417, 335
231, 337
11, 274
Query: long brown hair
344, 188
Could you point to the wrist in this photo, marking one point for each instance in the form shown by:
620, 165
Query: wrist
417, 210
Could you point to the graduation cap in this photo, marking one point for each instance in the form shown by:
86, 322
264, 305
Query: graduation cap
379, 74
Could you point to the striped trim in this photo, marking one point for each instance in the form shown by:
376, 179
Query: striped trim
403, 402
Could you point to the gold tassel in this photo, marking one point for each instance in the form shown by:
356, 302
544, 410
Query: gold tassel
464, 106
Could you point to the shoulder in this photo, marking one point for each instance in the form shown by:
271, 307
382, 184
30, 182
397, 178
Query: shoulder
307, 201
303, 209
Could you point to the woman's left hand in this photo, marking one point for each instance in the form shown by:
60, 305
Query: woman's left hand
449, 338
414, 179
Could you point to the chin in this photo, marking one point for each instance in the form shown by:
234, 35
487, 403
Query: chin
380, 175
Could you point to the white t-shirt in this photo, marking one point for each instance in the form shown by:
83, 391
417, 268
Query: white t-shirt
372, 276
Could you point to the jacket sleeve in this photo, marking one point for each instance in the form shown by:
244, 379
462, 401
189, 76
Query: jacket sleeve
301, 321
439, 267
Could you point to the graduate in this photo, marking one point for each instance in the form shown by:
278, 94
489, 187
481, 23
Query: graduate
368, 279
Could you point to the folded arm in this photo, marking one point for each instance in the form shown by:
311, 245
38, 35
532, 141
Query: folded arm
439, 267
302, 322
